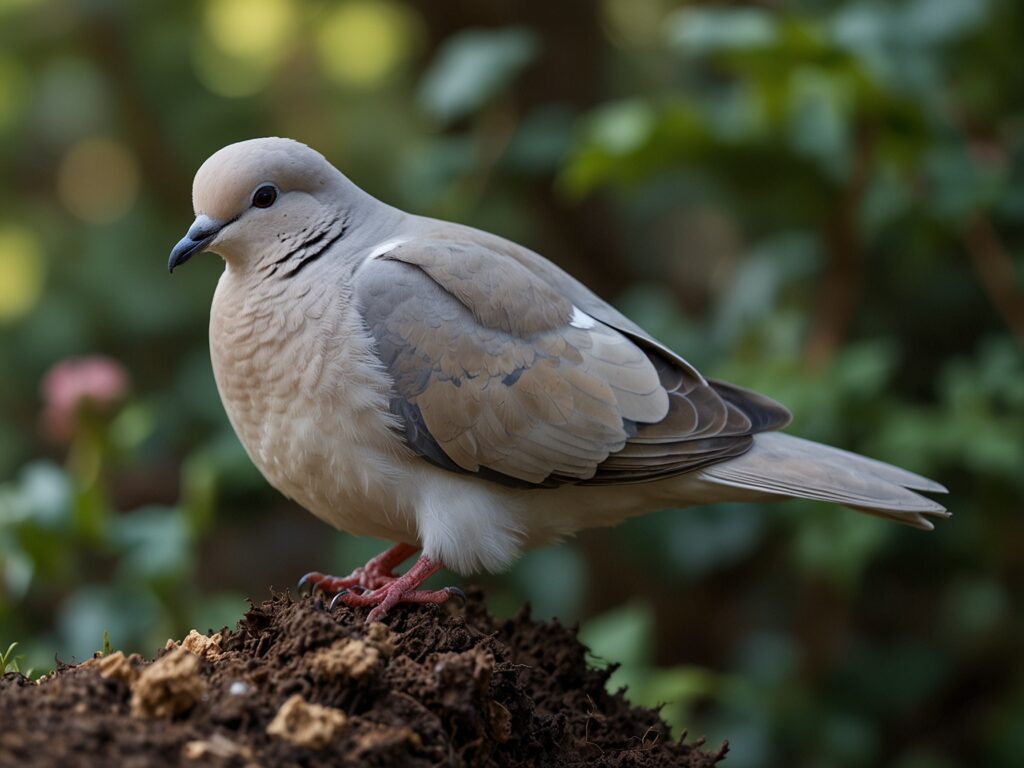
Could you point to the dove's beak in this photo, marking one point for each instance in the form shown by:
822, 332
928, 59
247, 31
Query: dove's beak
202, 232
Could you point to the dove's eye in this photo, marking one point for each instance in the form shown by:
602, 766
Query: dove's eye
264, 197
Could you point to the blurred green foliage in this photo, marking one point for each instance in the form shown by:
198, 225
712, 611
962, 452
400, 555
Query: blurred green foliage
822, 200
11, 663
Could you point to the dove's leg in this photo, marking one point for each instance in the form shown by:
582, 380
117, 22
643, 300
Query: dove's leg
402, 590
376, 573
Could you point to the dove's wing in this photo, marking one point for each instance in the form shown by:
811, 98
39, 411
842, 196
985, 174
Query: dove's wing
496, 371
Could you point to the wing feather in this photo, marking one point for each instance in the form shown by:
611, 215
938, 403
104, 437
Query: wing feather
491, 376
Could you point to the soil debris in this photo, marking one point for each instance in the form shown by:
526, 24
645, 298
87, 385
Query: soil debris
216, 747
169, 686
307, 725
298, 685
199, 645
350, 656
379, 636
119, 666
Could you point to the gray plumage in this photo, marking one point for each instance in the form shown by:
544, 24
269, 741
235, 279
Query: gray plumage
440, 386
489, 372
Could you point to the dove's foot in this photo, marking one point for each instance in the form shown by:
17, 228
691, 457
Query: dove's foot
403, 589
375, 574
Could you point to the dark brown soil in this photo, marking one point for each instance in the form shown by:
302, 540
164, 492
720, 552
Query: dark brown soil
296, 684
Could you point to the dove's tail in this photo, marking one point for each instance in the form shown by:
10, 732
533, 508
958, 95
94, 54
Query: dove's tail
780, 465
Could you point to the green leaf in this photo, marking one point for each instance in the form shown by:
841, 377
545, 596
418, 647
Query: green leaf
472, 67
16, 571
623, 636
42, 495
8, 661
705, 30
939, 21
622, 127
154, 541
819, 118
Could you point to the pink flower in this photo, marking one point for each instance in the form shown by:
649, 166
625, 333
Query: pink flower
95, 382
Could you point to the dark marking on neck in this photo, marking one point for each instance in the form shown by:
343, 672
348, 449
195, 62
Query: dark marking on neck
309, 258
304, 247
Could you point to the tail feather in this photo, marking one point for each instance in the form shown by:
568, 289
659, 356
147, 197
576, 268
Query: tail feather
782, 465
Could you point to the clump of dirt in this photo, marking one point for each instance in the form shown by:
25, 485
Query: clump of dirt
200, 645
297, 684
307, 725
169, 686
348, 656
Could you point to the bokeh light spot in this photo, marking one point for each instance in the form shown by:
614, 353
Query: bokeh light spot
362, 42
22, 271
98, 180
634, 22
250, 29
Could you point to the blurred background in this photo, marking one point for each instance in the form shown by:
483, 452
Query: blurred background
822, 200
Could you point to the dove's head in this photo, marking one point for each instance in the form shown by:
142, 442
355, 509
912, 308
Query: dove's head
259, 198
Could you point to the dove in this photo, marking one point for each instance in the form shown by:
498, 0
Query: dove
457, 394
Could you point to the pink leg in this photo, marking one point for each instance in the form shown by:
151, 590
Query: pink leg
375, 574
401, 590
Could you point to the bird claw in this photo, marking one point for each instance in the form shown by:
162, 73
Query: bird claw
376, 585
319, 582
451, 593
458, 595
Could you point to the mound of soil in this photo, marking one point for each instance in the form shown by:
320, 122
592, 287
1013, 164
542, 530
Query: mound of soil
297, 684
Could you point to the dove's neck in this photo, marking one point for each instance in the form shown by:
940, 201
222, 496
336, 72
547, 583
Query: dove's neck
327, 230
367, 219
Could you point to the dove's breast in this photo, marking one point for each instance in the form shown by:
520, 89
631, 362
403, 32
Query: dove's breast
307, 398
